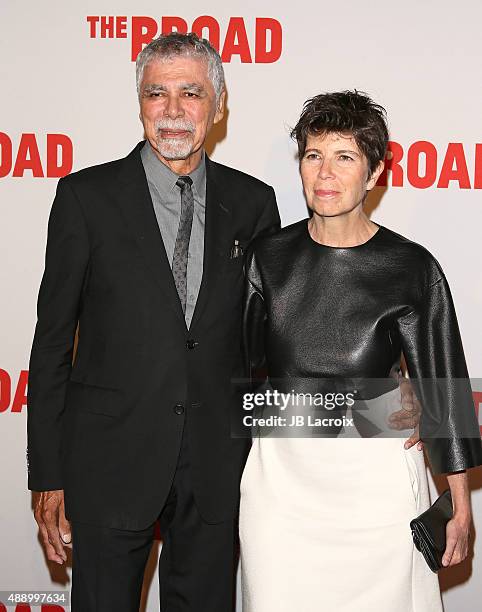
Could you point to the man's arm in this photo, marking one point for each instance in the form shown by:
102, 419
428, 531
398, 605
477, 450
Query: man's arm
58, 308
269, 219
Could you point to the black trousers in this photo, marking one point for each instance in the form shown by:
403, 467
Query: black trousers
197, 565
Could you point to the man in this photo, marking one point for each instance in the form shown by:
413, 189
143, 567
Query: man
145, 255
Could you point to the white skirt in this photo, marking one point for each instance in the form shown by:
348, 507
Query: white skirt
324, 526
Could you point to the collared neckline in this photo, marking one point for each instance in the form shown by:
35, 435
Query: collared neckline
162, 175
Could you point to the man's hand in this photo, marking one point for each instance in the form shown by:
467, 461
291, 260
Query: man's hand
49, 512
409, 415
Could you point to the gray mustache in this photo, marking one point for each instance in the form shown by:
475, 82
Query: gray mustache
174, 125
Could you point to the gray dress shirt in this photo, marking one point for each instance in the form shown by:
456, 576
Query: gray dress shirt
166, 199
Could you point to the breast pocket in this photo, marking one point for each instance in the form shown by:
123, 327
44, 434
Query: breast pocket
232, 256
234, 265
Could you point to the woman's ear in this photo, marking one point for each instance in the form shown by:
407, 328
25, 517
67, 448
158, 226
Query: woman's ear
372, 181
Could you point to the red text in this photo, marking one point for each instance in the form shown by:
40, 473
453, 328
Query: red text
262, 44
478, 408
422, 166
13, 398
26, 157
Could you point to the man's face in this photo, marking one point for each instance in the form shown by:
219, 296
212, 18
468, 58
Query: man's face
177, 109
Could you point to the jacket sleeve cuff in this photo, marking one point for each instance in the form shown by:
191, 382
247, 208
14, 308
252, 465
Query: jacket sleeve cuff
44, 474
453, 454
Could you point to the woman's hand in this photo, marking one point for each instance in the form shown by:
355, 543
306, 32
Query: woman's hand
458, 527
457, 541
409, 414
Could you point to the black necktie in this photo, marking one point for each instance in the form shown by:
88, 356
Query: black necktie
181, 249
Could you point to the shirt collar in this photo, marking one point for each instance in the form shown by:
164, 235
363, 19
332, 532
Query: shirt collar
164, 178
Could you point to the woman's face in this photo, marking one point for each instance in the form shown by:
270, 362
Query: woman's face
334, 173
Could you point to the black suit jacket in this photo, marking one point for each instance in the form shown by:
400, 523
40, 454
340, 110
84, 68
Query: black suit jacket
107, 428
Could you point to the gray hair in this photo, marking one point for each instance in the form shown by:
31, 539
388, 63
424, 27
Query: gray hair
175, 44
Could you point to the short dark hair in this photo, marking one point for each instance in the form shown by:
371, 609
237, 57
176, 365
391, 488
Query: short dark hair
345, 112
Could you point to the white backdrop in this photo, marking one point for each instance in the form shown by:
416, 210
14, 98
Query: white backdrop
62, 74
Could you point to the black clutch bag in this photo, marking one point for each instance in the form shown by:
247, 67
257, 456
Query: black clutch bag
428, 530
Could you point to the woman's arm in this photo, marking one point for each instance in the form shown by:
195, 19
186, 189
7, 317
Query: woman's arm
436, 363
435, 359
459, 526
254, 319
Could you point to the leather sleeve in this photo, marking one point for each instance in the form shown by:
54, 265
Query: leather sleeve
254, 318
58, 307
435, 359
254, 312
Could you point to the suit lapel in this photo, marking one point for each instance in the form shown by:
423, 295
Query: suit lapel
135, 202
216, 237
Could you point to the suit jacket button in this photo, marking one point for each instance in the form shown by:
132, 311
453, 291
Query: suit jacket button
191, 344
179, 409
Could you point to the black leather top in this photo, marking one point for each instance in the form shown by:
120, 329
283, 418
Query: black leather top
315, 312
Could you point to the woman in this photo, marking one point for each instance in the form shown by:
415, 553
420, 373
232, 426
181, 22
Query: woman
324, 522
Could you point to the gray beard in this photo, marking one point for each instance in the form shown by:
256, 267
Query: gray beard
174, 148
